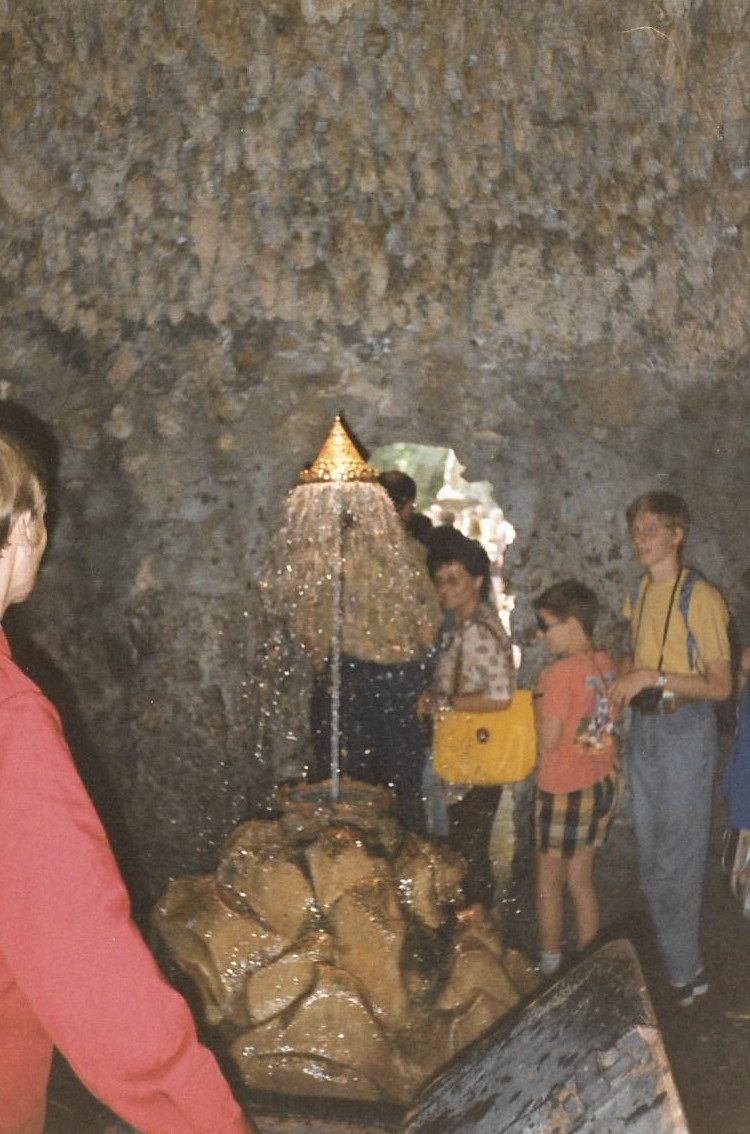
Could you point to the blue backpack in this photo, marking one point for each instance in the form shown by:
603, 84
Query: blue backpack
686, 593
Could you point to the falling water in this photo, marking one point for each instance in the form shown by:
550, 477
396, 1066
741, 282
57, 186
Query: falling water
337, 581
338, 593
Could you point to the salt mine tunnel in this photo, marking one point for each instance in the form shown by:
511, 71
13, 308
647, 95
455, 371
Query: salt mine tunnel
514, 232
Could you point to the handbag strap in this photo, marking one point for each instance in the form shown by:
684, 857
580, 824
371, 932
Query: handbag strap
675, 588
458, 667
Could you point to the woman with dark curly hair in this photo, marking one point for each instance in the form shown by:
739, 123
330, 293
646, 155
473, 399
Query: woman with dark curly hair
474, 672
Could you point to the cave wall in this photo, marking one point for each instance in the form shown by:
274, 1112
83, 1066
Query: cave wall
521, 230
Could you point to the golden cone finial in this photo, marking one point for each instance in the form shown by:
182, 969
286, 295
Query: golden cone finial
339, 459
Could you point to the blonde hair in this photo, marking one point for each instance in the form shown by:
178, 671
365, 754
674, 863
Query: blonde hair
670, 507
23, 483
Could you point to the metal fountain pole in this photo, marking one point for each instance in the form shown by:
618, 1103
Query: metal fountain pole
338, 594
339, 462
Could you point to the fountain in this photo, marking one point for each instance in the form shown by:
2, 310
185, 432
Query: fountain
334, 951
337, 575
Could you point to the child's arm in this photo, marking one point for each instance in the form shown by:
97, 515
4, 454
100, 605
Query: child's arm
549, 729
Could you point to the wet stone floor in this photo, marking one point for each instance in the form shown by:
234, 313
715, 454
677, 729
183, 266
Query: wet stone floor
708, 1044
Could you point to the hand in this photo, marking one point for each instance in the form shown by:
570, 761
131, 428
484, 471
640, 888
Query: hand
622, 691
425, 705
427, 635
429, 703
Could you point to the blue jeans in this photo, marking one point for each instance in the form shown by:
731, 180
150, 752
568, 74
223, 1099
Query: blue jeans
671, 774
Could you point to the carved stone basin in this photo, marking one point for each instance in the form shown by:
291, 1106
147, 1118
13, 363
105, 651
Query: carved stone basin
335, 952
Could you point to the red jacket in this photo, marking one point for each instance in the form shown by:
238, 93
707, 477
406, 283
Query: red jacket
74, 970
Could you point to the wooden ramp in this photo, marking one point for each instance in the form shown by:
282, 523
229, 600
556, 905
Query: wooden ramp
585, 1056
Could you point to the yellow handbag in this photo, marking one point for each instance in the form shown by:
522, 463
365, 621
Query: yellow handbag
486, 748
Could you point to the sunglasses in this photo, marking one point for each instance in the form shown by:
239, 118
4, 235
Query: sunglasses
543, 626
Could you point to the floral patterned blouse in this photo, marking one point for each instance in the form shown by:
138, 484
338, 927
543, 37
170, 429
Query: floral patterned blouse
477, 658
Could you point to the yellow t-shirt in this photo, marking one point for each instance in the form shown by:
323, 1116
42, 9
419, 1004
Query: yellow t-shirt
707, 616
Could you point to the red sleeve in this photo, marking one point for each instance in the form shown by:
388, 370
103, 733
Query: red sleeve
71, 946
555, 692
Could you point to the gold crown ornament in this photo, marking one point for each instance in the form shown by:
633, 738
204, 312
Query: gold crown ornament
340, 459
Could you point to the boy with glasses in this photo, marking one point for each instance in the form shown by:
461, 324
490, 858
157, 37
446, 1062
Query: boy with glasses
678, 671
577, 791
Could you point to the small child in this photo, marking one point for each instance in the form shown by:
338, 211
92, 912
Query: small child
577, 788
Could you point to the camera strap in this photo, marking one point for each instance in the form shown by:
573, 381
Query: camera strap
675, 589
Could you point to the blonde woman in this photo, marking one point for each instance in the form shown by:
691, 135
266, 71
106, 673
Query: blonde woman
74, 971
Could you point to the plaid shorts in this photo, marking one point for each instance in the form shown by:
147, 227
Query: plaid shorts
567, 823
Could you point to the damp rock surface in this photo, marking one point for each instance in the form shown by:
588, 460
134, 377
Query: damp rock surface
371, 978
518, 230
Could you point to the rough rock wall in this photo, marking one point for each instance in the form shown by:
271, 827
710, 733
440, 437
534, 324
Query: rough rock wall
518, 229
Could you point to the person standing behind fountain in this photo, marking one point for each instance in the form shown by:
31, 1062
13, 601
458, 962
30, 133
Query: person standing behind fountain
74, 971
383, 673
474, 672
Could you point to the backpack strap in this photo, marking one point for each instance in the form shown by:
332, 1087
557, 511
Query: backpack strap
637, 600
686, 594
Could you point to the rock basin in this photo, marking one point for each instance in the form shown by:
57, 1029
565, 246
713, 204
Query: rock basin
335, 953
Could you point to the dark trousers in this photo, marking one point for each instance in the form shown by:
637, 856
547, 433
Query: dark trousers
380, 739
470, 830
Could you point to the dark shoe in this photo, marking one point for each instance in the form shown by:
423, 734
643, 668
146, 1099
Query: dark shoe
685, 995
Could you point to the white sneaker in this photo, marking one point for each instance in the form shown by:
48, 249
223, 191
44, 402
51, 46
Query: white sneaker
549, 963
700, 984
